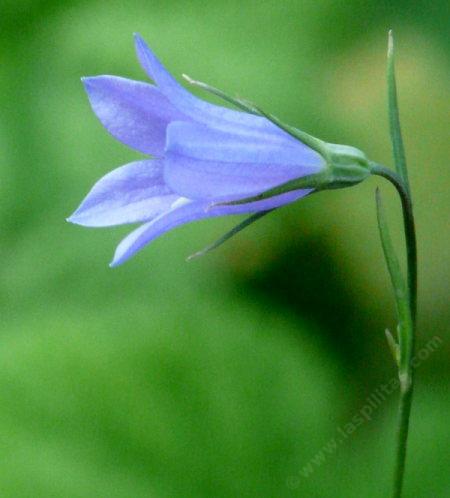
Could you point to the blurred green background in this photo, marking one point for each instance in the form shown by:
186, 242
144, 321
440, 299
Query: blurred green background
228, 376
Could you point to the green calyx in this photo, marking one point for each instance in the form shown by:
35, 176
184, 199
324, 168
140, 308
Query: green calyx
344, 165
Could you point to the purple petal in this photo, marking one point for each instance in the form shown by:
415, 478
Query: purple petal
205, 163
197, 109
135, 113
186, 212
132, 193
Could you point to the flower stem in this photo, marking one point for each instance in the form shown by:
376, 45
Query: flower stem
402, 436
409, 227
405, 294
406, 308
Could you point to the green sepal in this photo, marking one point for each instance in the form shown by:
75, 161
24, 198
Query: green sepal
239, 103
327, 179
246, 106
231, 233
344, 165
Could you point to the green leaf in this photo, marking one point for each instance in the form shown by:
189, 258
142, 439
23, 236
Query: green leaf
393, 346
398, 284
394, 116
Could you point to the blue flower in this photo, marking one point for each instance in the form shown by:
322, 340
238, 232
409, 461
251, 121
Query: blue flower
202, 154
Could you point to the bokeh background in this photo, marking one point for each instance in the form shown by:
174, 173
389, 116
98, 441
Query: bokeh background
228, 376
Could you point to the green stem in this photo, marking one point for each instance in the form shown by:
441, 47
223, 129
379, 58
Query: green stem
409, 227
402, 436
407, 318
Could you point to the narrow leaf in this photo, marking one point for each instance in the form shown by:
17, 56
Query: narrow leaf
393, 346
394, 116
398, 282
388, 249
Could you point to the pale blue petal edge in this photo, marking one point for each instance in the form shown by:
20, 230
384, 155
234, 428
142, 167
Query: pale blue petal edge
187, 212
133, 193
135, 113
197, 109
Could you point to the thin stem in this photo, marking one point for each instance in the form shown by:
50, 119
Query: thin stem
400, 287
410, 231
407, 326
402, 437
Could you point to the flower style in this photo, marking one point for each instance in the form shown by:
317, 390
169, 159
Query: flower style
202, 154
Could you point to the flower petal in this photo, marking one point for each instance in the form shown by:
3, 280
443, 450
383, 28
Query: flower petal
197, 109
205, 163
132, 193
134, 112
186, 212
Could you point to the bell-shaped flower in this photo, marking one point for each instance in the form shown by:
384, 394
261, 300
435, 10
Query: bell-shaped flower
206, 159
